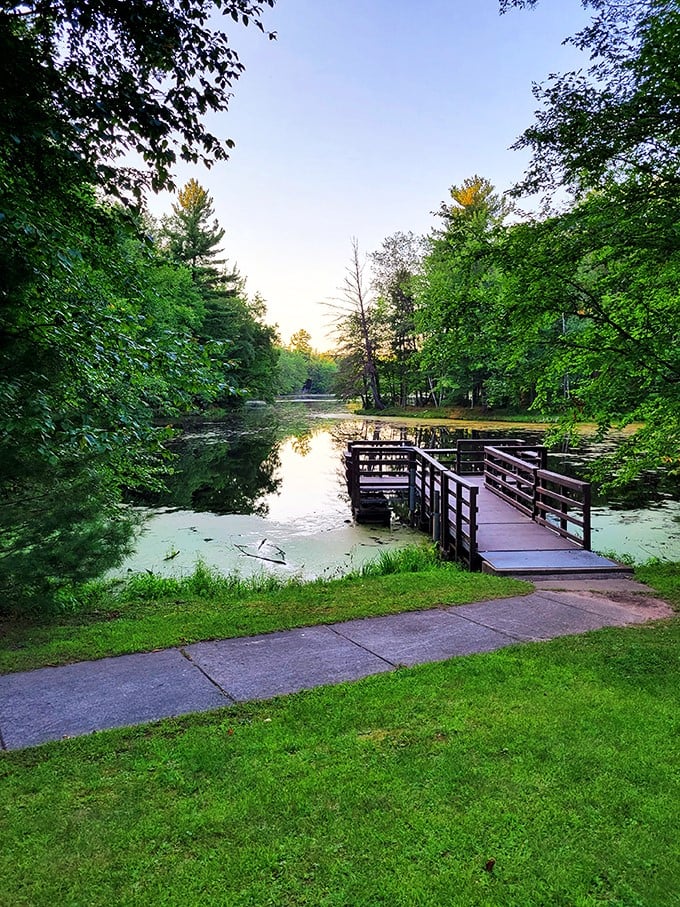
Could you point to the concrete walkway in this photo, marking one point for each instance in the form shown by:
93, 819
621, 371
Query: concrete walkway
55, 703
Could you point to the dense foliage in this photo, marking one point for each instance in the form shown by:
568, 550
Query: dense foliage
575, 312
301, 369
111, 78
101, 332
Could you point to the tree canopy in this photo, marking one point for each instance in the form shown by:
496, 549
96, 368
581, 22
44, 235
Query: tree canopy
620, 117
105, 79
100, 331
576, 310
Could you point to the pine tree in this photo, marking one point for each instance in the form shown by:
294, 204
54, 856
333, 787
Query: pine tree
192, 238
192, 233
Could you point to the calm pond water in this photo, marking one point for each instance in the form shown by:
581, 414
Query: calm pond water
266, 491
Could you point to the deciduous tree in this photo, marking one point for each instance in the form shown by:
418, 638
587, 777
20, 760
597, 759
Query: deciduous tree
618, 117
113, 78
96, 97
357, 327
457, 294
395, 266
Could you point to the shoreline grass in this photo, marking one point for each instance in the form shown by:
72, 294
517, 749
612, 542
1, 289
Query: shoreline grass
454, 414
153, 612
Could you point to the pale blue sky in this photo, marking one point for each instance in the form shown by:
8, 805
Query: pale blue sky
356, 122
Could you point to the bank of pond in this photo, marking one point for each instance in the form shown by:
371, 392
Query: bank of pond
265, 490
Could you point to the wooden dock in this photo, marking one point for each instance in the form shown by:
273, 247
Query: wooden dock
490, 504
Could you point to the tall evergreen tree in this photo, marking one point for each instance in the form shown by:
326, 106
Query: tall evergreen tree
193, 234
193, 237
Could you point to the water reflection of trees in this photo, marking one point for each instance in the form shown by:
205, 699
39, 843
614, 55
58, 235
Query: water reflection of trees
221, 474
422, 435
302, 443
230, 469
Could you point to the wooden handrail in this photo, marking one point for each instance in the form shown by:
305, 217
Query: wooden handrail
570, 512
576, 484
444, 503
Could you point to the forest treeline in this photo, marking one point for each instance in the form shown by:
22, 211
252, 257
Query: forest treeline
113, 325
573, 311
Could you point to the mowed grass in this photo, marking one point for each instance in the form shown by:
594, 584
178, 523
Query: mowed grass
153, 613
543, 774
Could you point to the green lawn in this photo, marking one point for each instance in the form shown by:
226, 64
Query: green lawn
153, 613
558, 761
542, 774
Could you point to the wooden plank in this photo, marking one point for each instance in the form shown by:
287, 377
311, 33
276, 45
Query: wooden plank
383, 483
574, 561
520, 537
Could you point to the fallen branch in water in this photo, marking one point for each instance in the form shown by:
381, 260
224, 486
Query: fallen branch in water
261, 557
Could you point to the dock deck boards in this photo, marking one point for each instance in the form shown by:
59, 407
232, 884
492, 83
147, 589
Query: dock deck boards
510, 542
575, 560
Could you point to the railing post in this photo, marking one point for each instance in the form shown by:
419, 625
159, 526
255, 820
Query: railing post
444, 529
355, 478
564, 521
436, 516
431, 495
534, 493
473, 527
411, 486
459, 520
586, 517
423, 485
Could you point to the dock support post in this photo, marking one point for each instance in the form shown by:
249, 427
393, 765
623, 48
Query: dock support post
411, 487
355, 480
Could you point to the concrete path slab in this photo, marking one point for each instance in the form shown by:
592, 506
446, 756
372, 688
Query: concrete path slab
259, 667
534, 617
418, 637
52, 703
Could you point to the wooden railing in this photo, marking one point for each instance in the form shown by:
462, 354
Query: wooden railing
563, 505
439, 501
444, 504
470, 453
519, 476
458, 520
369, 463
513, 477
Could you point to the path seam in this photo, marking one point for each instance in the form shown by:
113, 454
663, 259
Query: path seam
207, 676
450, 612
334, 628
